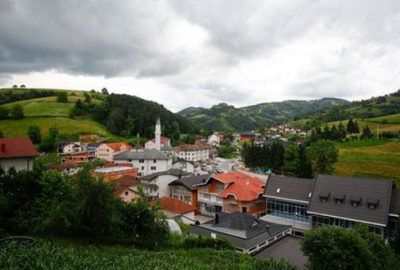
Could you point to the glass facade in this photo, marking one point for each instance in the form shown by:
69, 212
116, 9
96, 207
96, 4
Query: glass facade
288, 210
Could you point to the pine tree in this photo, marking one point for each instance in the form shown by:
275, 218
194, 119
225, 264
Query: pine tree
334, 133
350, 126
341, 131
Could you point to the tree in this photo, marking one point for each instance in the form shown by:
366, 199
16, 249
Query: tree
88, 98
323, 155
351, 126
305, 168
129, 127
395, 241
1, 134
333, 248
50, 142
34, 134
4, 112
291, 159
17, 112
58, 193
277, 155
356, 128
341, 131
104, 91
62, 97
366, 134
116, 121
22, 86
15, 86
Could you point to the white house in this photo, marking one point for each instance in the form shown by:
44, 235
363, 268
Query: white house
184, 165
147, 161
17, 153
161, 180
107, 151
194, 152
214, 139
72, 148
177, 210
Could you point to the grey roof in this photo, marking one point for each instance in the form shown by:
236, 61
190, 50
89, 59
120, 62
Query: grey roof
271, 142
395, 202
243, 225
352, 188
174, 172
181, 160
290, 188
146, 154
190, 182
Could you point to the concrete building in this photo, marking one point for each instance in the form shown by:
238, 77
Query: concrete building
185, 189
107, 151
194, 152
177, 210
148, 161
17, 153
184, 165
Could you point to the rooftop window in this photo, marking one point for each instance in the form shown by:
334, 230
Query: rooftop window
323, 196
355, 201
372, 202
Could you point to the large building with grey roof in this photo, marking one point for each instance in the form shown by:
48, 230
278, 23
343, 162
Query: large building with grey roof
147, 161
333, 200
246, 232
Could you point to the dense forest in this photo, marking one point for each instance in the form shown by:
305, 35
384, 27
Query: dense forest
127, 115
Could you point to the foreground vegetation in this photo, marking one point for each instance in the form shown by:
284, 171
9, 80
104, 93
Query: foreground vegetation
45, 256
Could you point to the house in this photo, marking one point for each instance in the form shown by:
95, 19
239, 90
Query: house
194, 152
158, 183
73, 147
268, 143
151, 144
148, 161
107, 151
185, 189
78, 157
67, 168
115, 172
346, 201
247, 137
177, 210
230, 192
287, 201
184, 165
18, 153
125, 187
214, 139
246, 232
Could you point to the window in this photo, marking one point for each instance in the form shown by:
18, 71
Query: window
355, 204
154, 161
323, 199
338, 201
371, 206
153, 168
207, 196
141, 160
143, 168
126, 193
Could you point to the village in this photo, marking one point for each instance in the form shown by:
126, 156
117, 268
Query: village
220, 198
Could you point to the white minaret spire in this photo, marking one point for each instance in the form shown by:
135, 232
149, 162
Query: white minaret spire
158, 134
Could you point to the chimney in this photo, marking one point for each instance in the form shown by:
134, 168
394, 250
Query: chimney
216, 218
157, 134
3, 147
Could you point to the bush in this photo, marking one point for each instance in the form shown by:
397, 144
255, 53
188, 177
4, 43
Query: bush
17, 112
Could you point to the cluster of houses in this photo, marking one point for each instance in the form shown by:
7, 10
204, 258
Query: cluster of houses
250, 212
282, 131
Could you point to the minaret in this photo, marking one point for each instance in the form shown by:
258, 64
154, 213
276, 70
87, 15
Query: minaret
158, 134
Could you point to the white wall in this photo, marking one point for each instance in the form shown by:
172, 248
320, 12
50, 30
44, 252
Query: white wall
162, 182
145, 167
18, 163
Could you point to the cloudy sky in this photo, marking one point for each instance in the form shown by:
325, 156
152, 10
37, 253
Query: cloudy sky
185, 53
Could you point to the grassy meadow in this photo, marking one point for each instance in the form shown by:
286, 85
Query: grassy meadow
370, 159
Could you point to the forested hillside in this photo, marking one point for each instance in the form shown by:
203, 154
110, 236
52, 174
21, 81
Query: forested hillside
224, 117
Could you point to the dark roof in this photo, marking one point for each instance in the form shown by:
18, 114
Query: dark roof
271, 142
146, 154
174, 172
243, 225
190, 182
369, 190
290, 188
181, 160
395, 202
17, 147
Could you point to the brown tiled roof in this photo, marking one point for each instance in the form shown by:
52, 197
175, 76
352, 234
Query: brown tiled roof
117, 146
124, 183
175, 206
17, 147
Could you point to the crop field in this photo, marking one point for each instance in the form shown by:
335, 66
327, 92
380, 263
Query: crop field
371, 159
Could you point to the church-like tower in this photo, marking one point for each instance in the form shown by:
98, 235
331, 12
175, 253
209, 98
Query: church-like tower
158, 134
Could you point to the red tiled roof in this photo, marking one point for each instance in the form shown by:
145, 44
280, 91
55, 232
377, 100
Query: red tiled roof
164, 140
124, 183
175, 206
17, 147
195, 146
241, 186
109, 165
117, 146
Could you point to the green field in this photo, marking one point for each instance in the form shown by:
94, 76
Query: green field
46, 112
371, 159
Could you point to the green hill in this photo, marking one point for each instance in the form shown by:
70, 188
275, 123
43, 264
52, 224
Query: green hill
223, 117
108, 116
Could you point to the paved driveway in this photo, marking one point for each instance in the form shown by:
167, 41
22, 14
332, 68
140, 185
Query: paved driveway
287, 248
